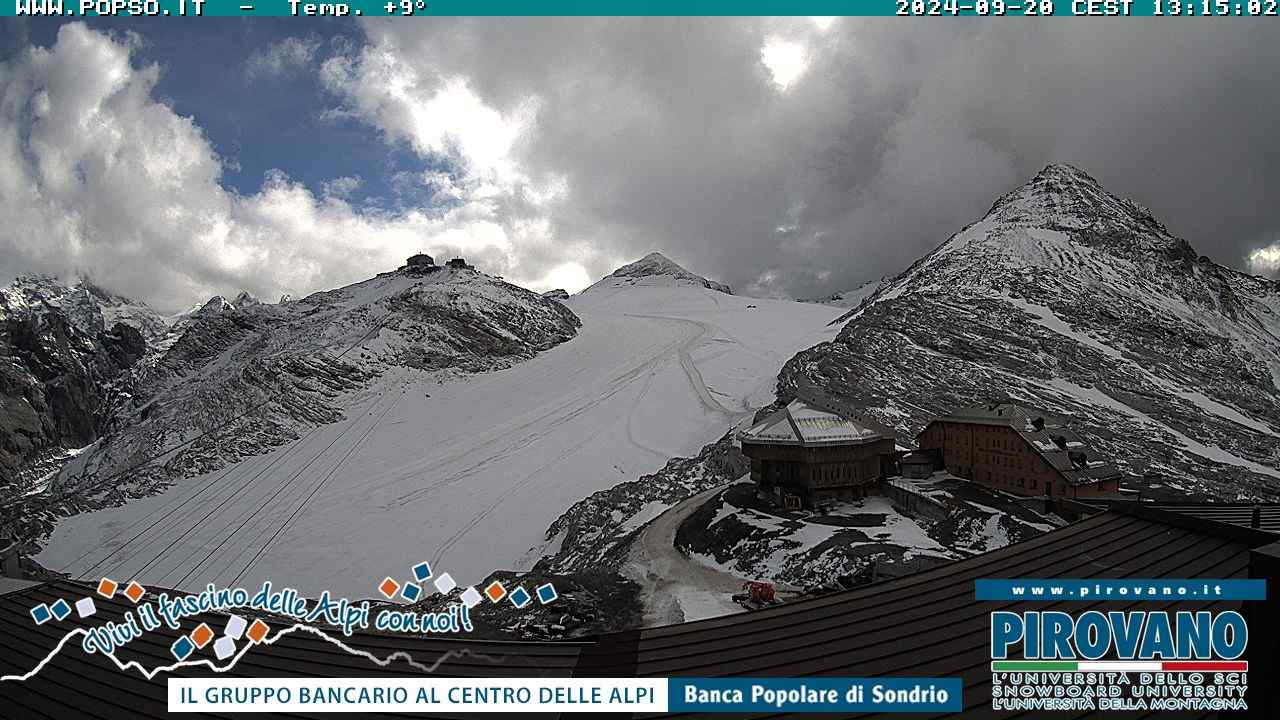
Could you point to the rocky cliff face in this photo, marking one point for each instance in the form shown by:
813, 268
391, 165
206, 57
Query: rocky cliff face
1072, 299
66, 352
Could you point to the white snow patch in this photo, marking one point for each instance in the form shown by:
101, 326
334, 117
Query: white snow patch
647, 512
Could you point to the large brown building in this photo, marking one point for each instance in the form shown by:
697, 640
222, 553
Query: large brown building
803, 455
1019, 450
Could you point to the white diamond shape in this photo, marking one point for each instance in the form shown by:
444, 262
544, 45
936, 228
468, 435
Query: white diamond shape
235, 627
445, 583
224, 647
86, 607
470, 597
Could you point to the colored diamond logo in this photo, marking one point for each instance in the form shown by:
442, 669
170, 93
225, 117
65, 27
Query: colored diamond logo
388, 588
202, 635
547, 593
495, 591
41, 614
60, 609
411, 592
470, 597
445, 583
135, 591
182, 648
257, 630
224, 648
85, 607
520, 597
107, 588
422, 572
235, 627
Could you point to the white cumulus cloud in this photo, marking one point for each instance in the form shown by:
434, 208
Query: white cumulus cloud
99, 177
1266, 260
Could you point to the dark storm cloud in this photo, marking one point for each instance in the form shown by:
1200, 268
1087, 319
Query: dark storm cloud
672, 136
546, 146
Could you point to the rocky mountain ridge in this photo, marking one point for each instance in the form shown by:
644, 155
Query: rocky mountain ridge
262, 373
66, 354
244, 377
1069, 298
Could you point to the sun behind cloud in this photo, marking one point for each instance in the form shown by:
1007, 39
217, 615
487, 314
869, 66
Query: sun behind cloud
786, 60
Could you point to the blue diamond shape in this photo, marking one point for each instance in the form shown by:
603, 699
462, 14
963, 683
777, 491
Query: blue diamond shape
411, 592
41, 614
60, 609
547, 593
422, 572
182, 648
520, 597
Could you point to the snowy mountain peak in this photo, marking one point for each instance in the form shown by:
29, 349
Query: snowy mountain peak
1073, 300
1060, 228
90, 308
1066, 198
655, 265
215, 304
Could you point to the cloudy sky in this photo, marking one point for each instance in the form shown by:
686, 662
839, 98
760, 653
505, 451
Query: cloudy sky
792, 156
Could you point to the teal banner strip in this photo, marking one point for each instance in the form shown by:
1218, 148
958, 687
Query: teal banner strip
1205, 9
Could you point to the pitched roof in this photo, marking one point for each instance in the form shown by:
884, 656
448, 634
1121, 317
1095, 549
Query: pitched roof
926, 624
800, 423
1003, 412
1062, 448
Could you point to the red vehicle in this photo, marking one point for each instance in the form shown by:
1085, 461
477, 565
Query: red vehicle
757, 595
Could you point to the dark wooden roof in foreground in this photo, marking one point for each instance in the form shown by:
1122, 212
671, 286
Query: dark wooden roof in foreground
1241, 514
927, 624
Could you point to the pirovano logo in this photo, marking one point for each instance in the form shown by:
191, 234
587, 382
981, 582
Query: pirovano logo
1121, 660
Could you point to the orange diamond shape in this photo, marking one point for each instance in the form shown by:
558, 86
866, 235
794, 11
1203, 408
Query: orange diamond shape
257, 630
495, 591
135, 591
388, 588
202, 635
107, 587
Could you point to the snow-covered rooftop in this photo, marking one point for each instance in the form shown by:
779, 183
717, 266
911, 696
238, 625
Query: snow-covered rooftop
802, 424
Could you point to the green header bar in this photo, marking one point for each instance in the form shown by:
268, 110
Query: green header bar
417, 8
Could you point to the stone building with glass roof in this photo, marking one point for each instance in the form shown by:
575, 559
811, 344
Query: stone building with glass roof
805, 454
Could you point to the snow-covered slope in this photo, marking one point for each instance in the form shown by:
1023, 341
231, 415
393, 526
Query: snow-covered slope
464, 470
243, 377
1070, 298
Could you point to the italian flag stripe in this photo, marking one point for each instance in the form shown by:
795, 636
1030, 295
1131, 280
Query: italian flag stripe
1118, 666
